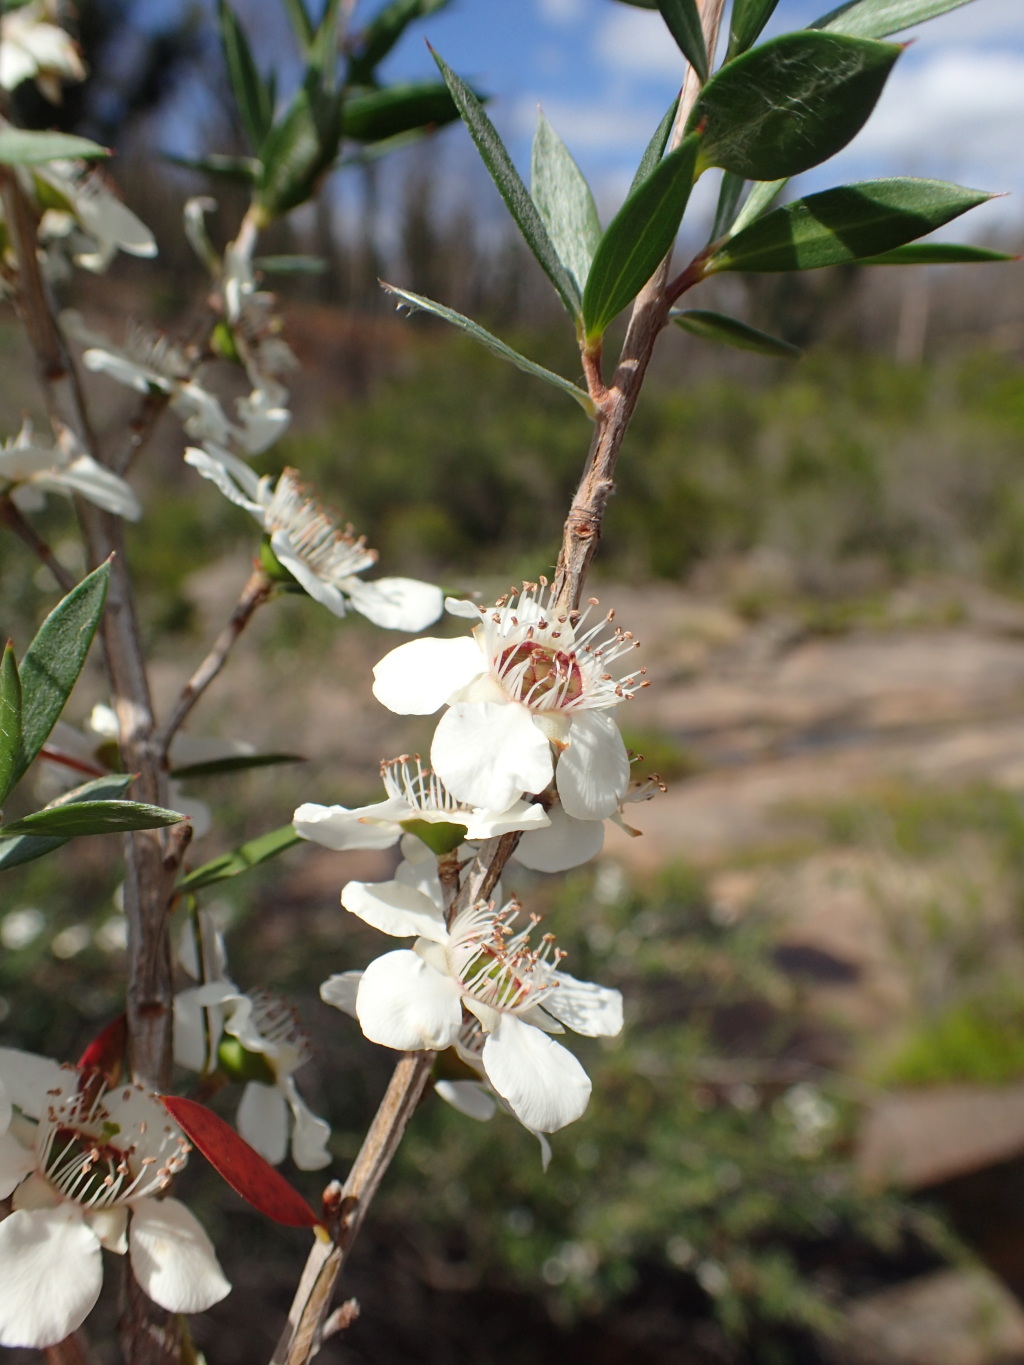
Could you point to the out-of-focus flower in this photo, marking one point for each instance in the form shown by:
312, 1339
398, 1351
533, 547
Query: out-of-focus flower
523, 685
84, 1165
324, 559
418, 998
83, 212
218, 1025
29, 469
34, 47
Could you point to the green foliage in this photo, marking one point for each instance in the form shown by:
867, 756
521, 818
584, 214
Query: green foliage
24, 147
683, 20
938, 253
975, 1040
655, 149
299, 148
879, 18
374, 115
241, 859
747, 20
91, 817
564, 201
26, 848
790, 104
382, 33
253, 96
10, 718
731, 332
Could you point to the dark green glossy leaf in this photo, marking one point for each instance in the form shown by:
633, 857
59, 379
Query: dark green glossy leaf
565, 202
638, 237
379, 114
791, 103
383, 31
879, 18
54, 660
729, 195
683, 20
25, 848
10, 719
511, 188
247, 855
655, 149
298, 150
440, 837
252, 97
233, 763
24, 147
492, 343
748, 19
937, 253
92, 817
244, 170
732, 332
845, 224
761, 195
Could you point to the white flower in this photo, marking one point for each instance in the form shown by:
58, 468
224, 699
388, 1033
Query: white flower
84, 1165
86, 201
568, 842
29, 469
266, 1028
522, 684
308, 542
32, 47
417, 998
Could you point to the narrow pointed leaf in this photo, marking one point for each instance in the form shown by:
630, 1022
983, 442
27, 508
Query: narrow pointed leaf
565, 202
252, 97
384, 30
731, 332
398, 109
240, 859
879, 18
302, 24
683, 20
492, 343
290, 265
791, 103
729, 196
323, 51
10, 719
748, 19
92, 817
233, 763
845, 224
25, 147
655, 149
511, 188
762, 193
54, 660
937, 253
25, 848
244, 170
640, 234
235, 1161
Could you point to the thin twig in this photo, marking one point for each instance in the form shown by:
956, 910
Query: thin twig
140, 429
11, 516
256, 591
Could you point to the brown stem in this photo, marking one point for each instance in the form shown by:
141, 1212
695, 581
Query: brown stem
11, 516
140, 429
73, 1350
256, 591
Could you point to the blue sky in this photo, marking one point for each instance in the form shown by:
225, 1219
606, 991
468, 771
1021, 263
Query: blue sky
605, 72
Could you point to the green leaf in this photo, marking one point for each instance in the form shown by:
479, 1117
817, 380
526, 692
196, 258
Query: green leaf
655, 149
728, 200
290, 265
301, 23
790, 104
247, 855
640, 234
440, 837
298, 150
92, 817
565, 202
511, 188
879, 18
761, 195
493, 343
683, 20
379, 114
10, 719
732, 332
26, 848
252, 96
233, 763
937, 253
845, 224
244, 170
323, 51
383, 31
25, 147
54, 660
748, 19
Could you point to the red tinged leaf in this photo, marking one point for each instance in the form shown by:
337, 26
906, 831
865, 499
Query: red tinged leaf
243, 1169
105, 1053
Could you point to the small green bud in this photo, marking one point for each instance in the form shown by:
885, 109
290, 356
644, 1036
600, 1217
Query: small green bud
442, 837
240, 1065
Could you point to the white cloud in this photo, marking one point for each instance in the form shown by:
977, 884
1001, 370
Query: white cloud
561, 13
590, 126
636, 42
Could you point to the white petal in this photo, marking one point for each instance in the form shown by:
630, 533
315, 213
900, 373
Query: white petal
418, 677
310, 1134
16, 1162
28, 1078
341, 990
396, 603
341, 829
595, 1011
468, 1097
462, 606
51, 1272
394, 909
593, 772
234, 479
420, 873
565, 843
541, 1080
101, 486
483, 824
6, 1109
197, 1031
329, 595
111, 1227
488, 754
405, 1004
124, 371
262, 1119
172, 1257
